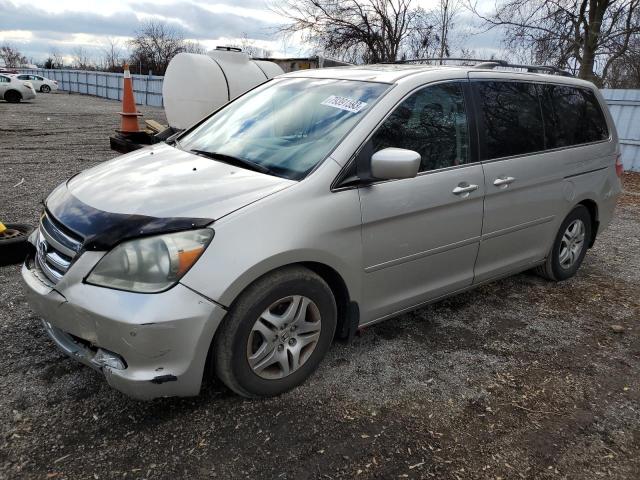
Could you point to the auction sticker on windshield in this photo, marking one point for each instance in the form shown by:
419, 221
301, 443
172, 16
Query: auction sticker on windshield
344, 103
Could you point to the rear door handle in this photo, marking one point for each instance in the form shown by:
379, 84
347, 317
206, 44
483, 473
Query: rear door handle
503, 181
464, 189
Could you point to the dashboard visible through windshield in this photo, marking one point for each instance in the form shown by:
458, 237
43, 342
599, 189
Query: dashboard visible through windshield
285, 127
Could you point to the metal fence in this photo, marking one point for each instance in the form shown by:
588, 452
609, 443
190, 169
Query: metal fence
147, 89
624, 106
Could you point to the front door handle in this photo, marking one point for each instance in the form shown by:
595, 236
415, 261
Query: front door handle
464, 189
503, 181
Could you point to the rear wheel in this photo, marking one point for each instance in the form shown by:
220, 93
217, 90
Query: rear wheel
45, 88
12, 96
569, 247
276, 333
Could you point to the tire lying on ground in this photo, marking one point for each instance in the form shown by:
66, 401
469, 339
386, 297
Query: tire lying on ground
13, 243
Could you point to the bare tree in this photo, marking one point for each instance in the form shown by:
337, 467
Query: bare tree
81, 59
444, 16
193, 47
422, 42
112, 55
55, 59
368, 30
155, 44
586, 36
249, 47
433, 32
624, 72
11, 56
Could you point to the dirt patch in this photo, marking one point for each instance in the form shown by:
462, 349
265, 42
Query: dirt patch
521, 378
631, 186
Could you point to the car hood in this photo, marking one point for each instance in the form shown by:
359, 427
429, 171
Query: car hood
162, 181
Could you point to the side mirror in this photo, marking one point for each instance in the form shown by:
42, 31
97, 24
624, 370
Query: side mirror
395, 163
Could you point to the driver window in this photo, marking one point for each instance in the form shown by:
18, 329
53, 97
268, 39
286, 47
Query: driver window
432, 122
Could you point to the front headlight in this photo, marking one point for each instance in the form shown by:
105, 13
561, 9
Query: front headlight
151, 264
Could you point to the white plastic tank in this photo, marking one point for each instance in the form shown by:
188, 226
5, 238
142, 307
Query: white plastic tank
195, 85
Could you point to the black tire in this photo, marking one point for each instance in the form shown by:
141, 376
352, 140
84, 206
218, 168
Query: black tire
45, 89
230, 343
552, 268
12, 96
14, 247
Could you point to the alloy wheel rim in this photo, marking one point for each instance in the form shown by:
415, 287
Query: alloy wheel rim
571, 244
284, 336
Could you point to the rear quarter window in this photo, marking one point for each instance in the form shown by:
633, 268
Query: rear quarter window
512, 118
572, 116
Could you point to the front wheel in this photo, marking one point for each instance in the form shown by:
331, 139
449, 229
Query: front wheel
276, 333
570, 246
45, 88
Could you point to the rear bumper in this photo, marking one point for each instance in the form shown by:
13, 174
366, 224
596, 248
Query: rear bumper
162, 339
28, 94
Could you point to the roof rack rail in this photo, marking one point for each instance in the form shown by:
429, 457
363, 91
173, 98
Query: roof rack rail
445, 59
491, 63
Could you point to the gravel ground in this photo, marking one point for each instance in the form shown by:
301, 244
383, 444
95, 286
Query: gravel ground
518, 379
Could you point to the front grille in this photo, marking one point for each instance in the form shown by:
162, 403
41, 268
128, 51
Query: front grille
55, 249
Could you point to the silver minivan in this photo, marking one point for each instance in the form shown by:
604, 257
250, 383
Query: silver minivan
313, 205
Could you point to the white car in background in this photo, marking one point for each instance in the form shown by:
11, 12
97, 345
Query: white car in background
41, 84
13, 89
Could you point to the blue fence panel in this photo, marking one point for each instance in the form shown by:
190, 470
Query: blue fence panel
624, 106
147, 89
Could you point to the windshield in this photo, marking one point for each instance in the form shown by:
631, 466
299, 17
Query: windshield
288, 126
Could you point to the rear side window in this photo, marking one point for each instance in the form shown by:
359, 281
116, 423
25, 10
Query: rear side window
572, 116
4, 79
432, 122
512, 118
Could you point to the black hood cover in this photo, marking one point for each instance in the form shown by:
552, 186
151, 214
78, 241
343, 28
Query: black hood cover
102, 230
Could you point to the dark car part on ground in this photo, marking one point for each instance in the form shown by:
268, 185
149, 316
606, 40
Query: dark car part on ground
128, 142
13, 243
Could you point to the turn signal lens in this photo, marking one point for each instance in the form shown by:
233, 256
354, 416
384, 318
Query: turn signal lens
186, 258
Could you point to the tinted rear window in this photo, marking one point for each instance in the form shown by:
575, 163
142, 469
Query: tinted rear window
572, 116
512, 118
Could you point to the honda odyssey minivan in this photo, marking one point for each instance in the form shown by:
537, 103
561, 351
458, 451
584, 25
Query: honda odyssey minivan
313, 205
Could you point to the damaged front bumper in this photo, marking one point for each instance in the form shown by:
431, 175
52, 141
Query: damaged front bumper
146, 345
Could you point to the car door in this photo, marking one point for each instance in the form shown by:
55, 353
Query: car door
37, 82
524, 184
420, 235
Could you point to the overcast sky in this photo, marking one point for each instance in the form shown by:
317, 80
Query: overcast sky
36, 27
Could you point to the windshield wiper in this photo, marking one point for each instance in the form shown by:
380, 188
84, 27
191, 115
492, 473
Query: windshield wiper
231, 160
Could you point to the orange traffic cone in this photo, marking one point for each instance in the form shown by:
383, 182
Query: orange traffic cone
129, 113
